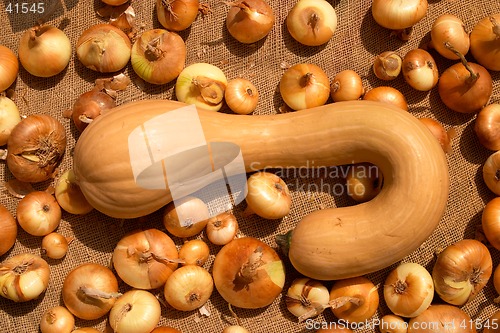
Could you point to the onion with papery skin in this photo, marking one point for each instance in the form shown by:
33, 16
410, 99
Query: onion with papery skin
388, 95
235, 329
364, 181
165, 329
346, 86
69, 196
89, 106
387, 65
36, 147
448, 28
158, 56
188, 288
392, 324
465, 87
312, 22
443, 136
222, 228
487, 126
491, 172
90, 290
441, 318
103, 48
144, 259
9, 118
461, 271
86, 330
23, 277
241, 96
248, 273
408, 290
249, 21
177, 15
9, 67
194, 252
398, 14
306, 298
203, 85
186, 217
137, 311
57, 320
44, 51
54, 245
267, 196
485, 42
8, 225
38, 213
490, 222
304, 86
354, 300
420, 70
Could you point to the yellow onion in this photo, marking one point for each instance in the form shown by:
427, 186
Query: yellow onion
177, 15
69, 195
241, 96
36, 147
137, 311
398, 14
448, 28
387, 65
440, 318
222, 228
44, 51
23, 277
491, 172
461, 271
386, 94
9, 67
306, 298
304, 86
249, 21
487, 126
8, 225
57, 320
9, 118
38, 213
485, 42
103, 48
364, 181
490, 222
420, 70
158, 56
188, 288
346, 86
194, 252
267, 196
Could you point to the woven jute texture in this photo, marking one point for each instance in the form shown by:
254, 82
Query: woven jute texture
354, 45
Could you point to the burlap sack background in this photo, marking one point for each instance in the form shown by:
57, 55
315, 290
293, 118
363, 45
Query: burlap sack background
357, 40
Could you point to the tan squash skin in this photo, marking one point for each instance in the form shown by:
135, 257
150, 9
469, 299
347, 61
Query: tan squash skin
328, 244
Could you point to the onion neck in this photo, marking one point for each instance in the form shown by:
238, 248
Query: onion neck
473, 75
496, 27
153, 51
307, 79
313, 21
22, 267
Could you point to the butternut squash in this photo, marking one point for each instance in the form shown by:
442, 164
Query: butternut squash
327, 244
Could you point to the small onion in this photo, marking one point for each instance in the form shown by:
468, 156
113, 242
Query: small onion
23, 277
158, 56
69, 195
346, 86
461, 271
268, 196
487, 126
38, 213
408, 290
54, 245
188, 288
8, 225
103, 48
194, 252
44, 51
398, 14
241, 96
186, 217
304, 86
485, 42
387, 65
306, 298
354, 300
312, 22
444, 137
448, 28
9, 67
491, 172
465, 87
248, 273
9, 118
36, 147
420, 70
90, 290
177, 15
203, 85
440, 318
145, 259
388, 95
364, 181
137, 311
222, 228
89, 106
490, 222
392, 324
57, 320
249, 21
